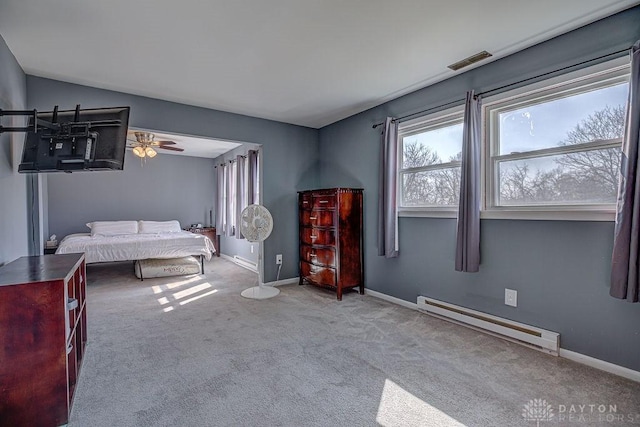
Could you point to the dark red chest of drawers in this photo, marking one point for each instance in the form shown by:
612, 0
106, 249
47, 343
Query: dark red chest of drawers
43, 332
330, 227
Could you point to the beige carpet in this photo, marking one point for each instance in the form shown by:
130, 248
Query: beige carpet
190, 351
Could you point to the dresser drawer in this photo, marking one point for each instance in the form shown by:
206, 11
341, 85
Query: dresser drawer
317, 274
323, 201
318, 218
305, 200
318, 256
317, 236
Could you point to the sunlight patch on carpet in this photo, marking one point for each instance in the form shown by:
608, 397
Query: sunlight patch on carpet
187, 301
192, 290
399, 407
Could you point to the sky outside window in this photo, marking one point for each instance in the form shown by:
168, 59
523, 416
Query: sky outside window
445, 141
546, 125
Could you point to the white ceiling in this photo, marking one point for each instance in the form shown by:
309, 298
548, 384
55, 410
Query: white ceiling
306, 62
193, 146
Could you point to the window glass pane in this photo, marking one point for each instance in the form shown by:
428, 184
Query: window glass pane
585, 117
435, 146
439, 187
587, 177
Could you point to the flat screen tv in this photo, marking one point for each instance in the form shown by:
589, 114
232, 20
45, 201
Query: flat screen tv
76, 140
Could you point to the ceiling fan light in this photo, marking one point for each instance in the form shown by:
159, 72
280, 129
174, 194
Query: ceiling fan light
150, 152
139, 151
144, 137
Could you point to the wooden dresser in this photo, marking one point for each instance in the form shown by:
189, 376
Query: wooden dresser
331, 246
43, 332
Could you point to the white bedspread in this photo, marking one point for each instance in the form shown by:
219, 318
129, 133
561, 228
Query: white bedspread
132, 247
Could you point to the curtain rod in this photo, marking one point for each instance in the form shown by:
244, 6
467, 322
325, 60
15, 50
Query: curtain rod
231, 161
497, 89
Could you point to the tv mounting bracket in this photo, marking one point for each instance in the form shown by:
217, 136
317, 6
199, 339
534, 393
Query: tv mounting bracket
73, 129
36, 121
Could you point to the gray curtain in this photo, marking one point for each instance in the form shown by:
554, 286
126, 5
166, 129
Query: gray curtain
252, 182
468, 235
220, 205
387, 201
241, 192
624, 266
229, 179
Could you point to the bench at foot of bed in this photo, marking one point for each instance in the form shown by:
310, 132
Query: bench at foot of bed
149, 268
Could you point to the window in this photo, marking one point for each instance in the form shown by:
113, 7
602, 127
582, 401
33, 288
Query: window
551, 150
235, 178
559, 146
430, 161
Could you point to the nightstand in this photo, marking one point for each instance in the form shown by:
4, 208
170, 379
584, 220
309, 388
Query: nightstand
50, 250
210, 232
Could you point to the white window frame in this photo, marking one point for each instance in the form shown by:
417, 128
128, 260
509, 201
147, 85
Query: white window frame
432, 121
599, 76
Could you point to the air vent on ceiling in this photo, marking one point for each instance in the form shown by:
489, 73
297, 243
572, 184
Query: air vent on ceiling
470, 60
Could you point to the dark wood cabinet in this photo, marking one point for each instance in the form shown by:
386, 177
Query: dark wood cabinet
331, 246
43, 332
210, 232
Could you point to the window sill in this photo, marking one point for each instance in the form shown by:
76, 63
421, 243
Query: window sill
518, 214
551, 215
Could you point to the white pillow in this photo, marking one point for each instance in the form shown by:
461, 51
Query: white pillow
113, 228
157, 227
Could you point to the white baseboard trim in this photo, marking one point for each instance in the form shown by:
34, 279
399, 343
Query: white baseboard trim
291, 281
235, 261
600, 364
282, 282
567, 354
411, 305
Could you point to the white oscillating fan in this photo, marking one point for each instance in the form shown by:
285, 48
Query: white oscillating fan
256, 224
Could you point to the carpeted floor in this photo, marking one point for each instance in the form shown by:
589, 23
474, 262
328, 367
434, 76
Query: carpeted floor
190, 351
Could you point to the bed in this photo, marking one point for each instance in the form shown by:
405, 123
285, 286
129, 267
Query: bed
136, 240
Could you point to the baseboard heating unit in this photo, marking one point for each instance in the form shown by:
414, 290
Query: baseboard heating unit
530, 336
243, 262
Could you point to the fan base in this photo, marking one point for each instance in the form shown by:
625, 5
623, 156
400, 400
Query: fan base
260, 292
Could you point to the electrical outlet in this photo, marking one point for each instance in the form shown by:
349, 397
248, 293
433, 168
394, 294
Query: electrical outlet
511, 297
279, 259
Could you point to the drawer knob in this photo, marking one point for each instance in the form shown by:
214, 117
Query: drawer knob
313, 217
313, 236
324, 201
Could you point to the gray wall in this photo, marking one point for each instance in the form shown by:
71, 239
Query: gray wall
559, 268
14, 235
289, 152
163, 188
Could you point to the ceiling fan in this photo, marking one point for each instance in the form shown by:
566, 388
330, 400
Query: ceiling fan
145, 144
